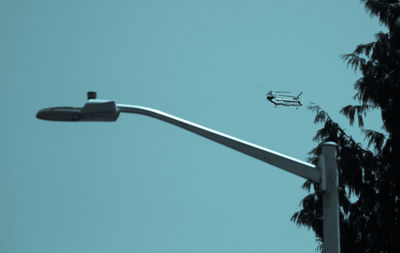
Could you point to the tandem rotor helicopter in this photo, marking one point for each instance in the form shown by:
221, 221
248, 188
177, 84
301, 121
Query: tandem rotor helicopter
282, 98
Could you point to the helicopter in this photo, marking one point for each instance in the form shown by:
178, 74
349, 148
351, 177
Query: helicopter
279, 98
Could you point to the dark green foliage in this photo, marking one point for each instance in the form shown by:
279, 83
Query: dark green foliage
351, 110
374, 138
369, 179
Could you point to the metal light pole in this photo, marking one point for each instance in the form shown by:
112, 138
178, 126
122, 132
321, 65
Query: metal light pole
330, 198
325, 174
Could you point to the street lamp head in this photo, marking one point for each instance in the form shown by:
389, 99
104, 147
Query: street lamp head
60, 113
93, 110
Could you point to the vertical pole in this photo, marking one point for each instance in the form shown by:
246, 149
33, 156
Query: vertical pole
330, 199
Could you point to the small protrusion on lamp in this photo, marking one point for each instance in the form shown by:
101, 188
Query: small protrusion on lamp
91, 95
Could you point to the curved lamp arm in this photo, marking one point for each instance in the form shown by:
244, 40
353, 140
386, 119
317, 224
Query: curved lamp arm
292, 165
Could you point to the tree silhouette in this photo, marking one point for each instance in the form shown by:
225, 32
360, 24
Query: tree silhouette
369, 178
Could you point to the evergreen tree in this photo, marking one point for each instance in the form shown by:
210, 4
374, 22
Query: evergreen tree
369, 178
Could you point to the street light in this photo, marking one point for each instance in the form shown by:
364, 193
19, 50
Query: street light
325, 174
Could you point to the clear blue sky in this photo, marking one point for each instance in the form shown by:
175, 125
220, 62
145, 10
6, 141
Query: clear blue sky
141, 185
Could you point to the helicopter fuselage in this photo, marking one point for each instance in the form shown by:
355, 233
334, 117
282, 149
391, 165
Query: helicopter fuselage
284, 100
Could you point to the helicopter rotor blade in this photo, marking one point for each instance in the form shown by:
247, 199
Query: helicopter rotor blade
262, 87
